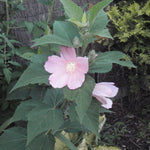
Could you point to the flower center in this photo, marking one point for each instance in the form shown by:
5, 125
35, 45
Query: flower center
71, 66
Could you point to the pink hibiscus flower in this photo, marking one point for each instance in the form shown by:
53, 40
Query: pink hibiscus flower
103, 90
67, 69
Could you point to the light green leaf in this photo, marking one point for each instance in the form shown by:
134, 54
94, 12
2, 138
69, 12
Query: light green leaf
53, 97
29, 26
13, 139
98, 26
66, 141
72, 10
82, 96
41, 119
64, 33
42, 142
94, 11
103, 62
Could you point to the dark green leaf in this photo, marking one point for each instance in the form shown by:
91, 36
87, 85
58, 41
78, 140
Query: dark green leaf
82, 96
7, 74
42, 119
42, 142
23, 109
53, 97
13, 139
91, 118
103, 62
34, 74
21, 93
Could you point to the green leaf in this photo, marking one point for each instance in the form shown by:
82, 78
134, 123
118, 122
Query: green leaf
82, 96
66, 141
14, 63
13, 139
34, 74
64, 33
23, 109
21, 113
7, 74
53, 97
103, 62
99, 24
42, 142
72, 10
73, 127
5, 124
41, 119
25, 52
91, 118
29, 26
94, 11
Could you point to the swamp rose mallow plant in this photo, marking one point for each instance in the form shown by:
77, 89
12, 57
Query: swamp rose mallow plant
68, 69
102, 91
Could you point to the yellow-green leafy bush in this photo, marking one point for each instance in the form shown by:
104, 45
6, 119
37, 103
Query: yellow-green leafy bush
131, 30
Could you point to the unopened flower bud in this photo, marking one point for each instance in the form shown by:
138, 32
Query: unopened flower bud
92, 55
76, 42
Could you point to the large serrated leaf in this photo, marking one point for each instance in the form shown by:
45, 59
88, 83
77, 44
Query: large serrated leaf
42, 142
13, 139
72, 10
53, 97
82, 96
98, 26
64, 33
94, 11
34, 74
91, 118
103, 62
41, 119
23, 109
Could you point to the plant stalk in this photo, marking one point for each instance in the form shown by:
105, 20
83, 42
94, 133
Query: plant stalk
50, 11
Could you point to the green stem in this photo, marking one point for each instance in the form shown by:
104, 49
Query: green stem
50, 11
7, 17
85, 44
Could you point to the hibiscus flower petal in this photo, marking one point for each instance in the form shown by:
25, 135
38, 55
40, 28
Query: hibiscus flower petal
105, 89
106, 102
82, 64
75, 80
68, 53
54, 63
58, 79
